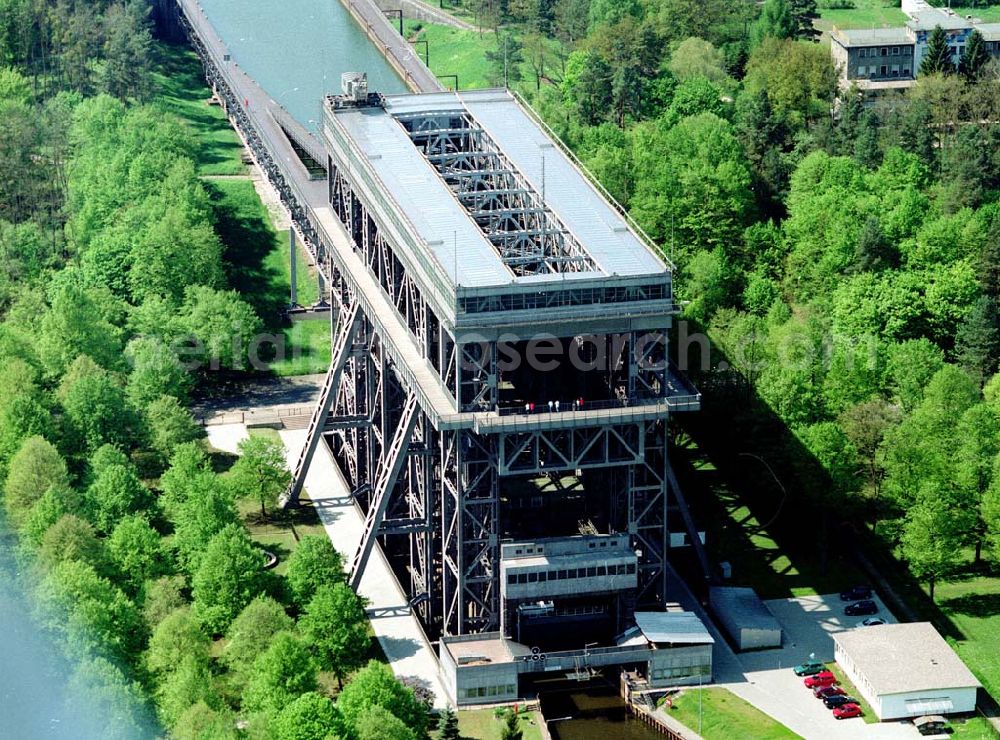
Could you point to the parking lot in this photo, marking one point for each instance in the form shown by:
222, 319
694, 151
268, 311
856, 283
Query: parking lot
807, 623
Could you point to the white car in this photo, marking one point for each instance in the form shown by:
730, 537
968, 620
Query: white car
871, 622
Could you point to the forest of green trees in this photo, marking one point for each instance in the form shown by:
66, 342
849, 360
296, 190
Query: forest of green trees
842, 257
114, 304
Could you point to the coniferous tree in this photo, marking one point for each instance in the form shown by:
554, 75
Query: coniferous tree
804, 12
974, 58
449, 725
937, 58
511, 727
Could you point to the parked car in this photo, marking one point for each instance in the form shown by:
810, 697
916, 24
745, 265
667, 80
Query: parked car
847, 711
855, 593
823, 678
838, 701
808, 669
821, 692
859, 608
871, 622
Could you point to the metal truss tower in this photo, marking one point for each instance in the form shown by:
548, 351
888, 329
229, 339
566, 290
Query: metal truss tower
475, 238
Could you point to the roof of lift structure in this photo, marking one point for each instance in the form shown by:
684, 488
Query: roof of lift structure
489, 195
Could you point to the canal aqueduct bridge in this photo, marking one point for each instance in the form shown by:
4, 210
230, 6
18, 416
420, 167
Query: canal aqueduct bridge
499, 386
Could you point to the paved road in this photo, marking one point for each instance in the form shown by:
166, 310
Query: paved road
265, 392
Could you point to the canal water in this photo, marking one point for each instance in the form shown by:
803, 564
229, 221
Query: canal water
593, 712
38, 696
297, 50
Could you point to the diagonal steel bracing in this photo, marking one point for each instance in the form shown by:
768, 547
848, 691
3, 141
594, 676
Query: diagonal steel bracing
385, 482
328, 394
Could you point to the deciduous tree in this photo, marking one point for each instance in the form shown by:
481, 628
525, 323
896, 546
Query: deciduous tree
229, 576
179, 635
285, 671
336, 627
374, 685
251, 632
115, 492
137, 551
35, 468
169, 424
314, 563
261, 472
309, 716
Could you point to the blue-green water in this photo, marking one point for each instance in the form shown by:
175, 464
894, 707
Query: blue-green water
39, 695
297, 49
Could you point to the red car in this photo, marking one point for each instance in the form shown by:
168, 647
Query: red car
823, 678
847, 711
822, 692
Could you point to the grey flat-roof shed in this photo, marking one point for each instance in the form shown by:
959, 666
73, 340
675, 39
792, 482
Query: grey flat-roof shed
745, 618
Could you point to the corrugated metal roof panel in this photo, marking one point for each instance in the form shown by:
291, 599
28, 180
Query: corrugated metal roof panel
673, 627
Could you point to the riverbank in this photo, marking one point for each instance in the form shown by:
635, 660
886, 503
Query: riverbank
250, 220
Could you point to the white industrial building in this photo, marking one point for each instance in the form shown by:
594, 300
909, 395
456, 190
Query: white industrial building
906, 670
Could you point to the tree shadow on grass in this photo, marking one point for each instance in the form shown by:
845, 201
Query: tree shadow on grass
247, 241
974, 605
184, 82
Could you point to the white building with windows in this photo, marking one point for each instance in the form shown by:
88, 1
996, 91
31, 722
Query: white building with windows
906, 670
889, 58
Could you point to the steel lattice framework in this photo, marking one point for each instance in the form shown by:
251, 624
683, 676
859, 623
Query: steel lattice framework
413, 405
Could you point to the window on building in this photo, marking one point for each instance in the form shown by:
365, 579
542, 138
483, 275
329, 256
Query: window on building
602, 570
885, 51
862, 71
562, 575
532, 578
883, 70
895, 70
591, 572
907, 51
542, 577
862, 52
895, 51
511, 578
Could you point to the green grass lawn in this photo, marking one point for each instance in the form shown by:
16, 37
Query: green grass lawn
976, 728
973, 606
725, 715
179, 86
482, 724
864, 14
878, 13
308, 349
454, 51
259, 269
